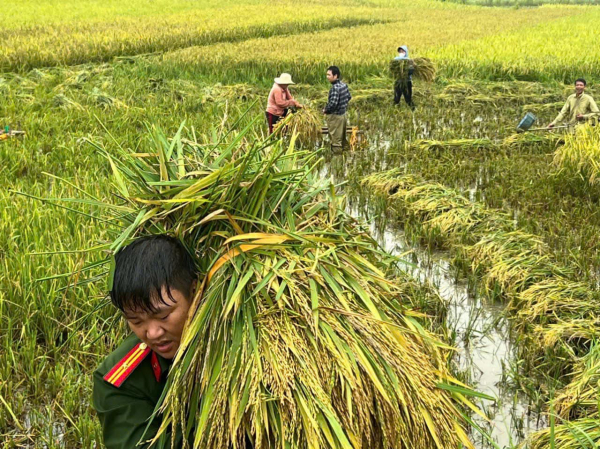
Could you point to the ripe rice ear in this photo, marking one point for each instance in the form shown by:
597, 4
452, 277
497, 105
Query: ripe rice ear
306, 124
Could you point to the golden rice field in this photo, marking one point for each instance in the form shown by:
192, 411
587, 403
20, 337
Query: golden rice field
511, 219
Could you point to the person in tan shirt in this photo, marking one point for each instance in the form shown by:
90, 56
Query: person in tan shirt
280, 100
578, 108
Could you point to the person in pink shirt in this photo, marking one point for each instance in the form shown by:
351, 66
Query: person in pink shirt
280, 100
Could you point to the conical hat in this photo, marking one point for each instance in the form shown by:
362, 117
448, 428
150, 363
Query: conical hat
285, 78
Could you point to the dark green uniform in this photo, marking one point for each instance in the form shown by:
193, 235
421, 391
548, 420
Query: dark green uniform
124, 410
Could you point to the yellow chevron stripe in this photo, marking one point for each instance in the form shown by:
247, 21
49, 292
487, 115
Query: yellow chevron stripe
138, 352
124, 365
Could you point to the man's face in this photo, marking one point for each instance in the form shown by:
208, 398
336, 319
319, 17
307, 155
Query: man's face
402, 53
579, 87
331, 77
161, 330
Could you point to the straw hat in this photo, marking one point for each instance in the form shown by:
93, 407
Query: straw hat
285, 78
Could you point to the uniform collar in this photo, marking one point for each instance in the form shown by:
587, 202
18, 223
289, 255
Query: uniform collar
164, 364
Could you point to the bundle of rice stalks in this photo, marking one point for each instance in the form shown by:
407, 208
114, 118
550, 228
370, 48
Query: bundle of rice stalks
438, 209
421, 68
38, 75
296, 337
535, 107
368, 96
580, 155
461, 89
390, 182
572, 333
424, 69
581, 434
512, 261
520, 140
78, 78
581, 398
561, 316
557, 296
305, 122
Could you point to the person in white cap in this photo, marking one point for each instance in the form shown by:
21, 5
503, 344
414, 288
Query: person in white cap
280, 100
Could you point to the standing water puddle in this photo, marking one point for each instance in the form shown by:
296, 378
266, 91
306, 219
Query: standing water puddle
485, 351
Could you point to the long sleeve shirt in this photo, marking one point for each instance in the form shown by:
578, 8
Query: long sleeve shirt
338, 99
279, 100
124, 411
577, 105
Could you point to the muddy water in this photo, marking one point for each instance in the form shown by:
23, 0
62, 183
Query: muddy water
485, 353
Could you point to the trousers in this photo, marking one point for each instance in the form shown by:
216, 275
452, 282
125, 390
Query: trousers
403, 90
337, 130
273, 119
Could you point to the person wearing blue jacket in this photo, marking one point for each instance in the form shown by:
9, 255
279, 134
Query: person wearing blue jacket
404, 87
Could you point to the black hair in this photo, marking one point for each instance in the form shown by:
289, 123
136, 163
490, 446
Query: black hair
335, 71
400, 48
581, 80
145, 266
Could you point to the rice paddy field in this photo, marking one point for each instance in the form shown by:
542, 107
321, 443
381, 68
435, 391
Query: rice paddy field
488, 239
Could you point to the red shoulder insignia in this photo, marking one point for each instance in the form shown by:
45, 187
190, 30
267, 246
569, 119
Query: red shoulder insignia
156, 366
125, 367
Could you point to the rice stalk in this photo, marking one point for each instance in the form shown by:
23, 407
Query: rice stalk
422, 68
581, 397
558, 296
514, 141
512, 261
580, 434
580, 155
306, 124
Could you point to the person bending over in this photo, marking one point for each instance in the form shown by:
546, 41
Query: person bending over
280, 100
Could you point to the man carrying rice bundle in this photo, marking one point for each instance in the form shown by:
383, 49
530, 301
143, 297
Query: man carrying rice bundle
403, 84
269, 309
153, 285
280, 100
579, 106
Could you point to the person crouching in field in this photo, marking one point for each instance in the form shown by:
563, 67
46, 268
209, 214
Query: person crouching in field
335, 110
280, 100
579, 106
153, 286
403, 87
